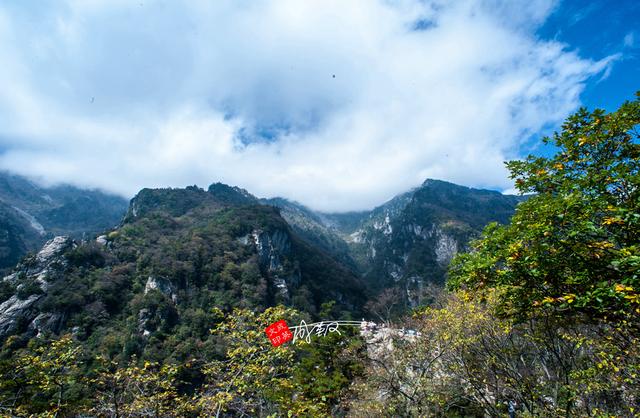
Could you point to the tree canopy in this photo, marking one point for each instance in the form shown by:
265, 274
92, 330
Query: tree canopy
573, 246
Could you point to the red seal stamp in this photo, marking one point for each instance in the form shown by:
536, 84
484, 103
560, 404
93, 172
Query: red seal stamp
278, 333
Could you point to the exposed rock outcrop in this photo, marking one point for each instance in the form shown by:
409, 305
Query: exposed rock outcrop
446, 247
380, 338
42, 269
272, 249
163, 285
13, 311
46, 322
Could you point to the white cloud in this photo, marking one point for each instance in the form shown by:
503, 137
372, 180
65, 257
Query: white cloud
128, 95
629, 40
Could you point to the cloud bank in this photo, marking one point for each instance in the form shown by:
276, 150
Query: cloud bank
338, 105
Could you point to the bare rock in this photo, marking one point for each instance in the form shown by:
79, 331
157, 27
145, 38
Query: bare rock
13, 311
162, 285
42, 269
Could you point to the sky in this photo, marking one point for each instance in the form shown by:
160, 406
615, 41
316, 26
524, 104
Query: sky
337, 105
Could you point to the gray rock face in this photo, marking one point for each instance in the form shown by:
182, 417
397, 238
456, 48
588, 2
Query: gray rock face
144, 316
407, 254
43, 269
52, 250
161, 284
446, 247
380, 338
272, 249
13, 310
46, 322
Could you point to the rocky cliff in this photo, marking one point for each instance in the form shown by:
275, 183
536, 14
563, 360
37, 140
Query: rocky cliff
30, 282
409, 241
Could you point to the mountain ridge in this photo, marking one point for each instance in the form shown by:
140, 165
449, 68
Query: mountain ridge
407, 241
179, 248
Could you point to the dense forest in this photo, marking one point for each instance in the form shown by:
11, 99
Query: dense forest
541, 314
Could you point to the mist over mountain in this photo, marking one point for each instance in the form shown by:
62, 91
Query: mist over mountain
32, 214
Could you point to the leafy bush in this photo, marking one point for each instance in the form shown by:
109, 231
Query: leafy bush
6, 290
28, 288
87, 255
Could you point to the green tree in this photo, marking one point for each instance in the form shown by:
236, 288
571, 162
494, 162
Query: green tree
147, 390
44, 380
254, 378
568, 263
573, 246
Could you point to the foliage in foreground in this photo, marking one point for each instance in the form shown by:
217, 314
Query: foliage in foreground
466, 361
573, 247
250, 378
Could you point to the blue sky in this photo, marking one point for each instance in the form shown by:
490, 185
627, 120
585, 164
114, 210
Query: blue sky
339, 105
596, 29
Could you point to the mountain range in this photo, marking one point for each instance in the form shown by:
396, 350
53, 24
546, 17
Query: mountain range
407, 242
146, 281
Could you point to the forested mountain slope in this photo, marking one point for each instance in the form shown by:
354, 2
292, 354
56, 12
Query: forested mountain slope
148, 287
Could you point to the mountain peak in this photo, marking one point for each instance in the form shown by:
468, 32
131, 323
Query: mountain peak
178, 201
231, 194
429, 182
173, 201
442, 184
448, 188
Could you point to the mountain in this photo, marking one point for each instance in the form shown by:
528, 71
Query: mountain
149, 286
31, 214
408, 242
17, 235
314, 228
